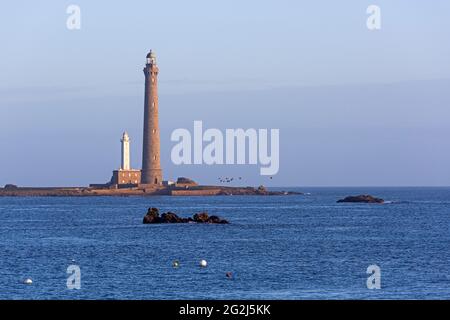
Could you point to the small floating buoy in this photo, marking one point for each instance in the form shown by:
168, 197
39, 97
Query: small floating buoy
203, 263
27, 281
175, 264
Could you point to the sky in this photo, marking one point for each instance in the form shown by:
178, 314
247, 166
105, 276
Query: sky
355, 107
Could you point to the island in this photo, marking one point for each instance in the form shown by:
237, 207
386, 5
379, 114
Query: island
364, 198
152, 190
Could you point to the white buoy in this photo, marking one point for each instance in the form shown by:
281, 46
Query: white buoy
27, 281
203, 263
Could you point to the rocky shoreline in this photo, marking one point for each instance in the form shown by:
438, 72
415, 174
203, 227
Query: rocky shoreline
125, 192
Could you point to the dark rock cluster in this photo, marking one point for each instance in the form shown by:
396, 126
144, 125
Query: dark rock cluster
11, 187
153, 216
183, 181
365, 198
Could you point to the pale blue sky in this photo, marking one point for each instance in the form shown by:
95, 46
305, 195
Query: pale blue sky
354, 107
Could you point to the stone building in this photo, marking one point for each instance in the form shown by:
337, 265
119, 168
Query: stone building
126, 178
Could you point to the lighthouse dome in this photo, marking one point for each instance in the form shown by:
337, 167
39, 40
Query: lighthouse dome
125, 136
151, 58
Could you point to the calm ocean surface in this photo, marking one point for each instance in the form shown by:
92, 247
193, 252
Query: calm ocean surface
277, 247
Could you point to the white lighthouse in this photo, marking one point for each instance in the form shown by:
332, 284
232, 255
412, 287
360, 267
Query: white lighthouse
125, 177
125, 163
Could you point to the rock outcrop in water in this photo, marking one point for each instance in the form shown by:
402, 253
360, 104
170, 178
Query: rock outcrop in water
365, 198
153, 216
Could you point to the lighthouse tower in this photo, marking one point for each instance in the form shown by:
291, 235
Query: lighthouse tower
125, 163
151, 173
125, 177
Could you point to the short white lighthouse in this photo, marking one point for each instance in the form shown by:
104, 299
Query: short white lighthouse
125, 163
125, 177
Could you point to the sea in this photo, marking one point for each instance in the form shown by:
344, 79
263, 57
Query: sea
275, 247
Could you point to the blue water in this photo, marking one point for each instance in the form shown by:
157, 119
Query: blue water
277, 247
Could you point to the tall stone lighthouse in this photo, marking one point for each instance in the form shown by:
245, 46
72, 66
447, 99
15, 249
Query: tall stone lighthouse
151, 164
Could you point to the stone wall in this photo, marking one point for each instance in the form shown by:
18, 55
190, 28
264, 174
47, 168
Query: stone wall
204, 192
